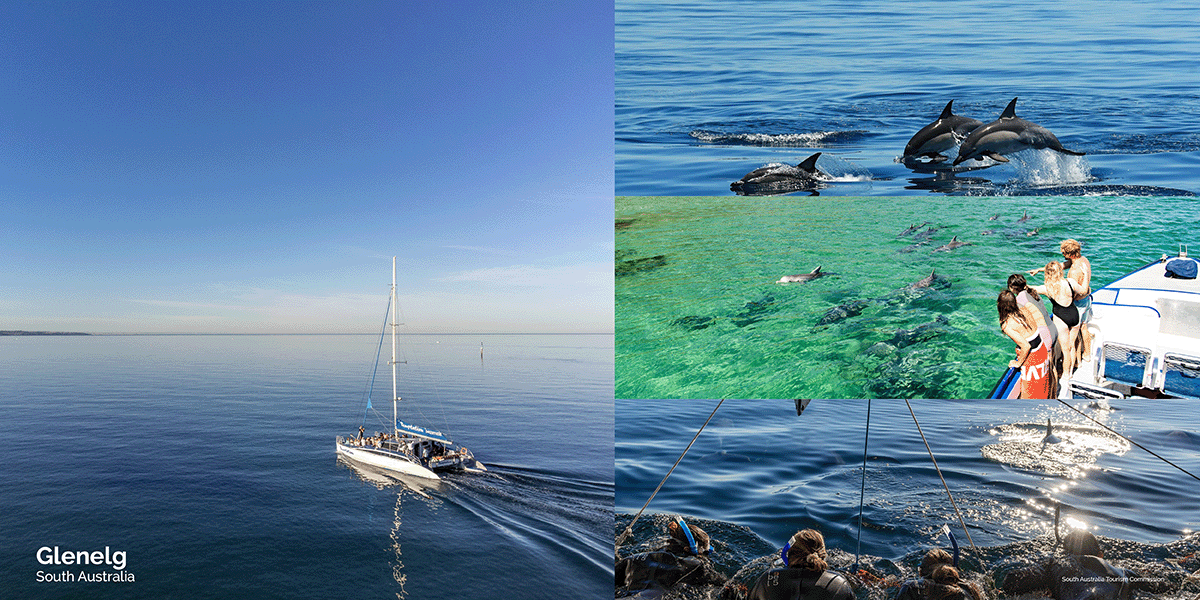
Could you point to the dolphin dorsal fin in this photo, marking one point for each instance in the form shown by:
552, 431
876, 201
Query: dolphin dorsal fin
931, 273
809, 164
946, 114
954, 239
1010, 111
816, 270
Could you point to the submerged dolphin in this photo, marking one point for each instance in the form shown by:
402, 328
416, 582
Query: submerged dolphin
843, 311
925, 235
1050, 437
803, 277
924, 282
940, 135
1024, 217
1006, 135
805, 175
954, 243
912, 229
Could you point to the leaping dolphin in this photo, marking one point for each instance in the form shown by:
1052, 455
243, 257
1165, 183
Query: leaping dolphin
803, 277
1006, 135
940, 135
805, 175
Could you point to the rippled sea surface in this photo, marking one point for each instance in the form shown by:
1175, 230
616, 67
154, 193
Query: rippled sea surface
708, 90
759, 472
699, 313
209, 461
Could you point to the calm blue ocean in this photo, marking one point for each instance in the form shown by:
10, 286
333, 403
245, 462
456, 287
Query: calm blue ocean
209, 461
758, 473
708, 90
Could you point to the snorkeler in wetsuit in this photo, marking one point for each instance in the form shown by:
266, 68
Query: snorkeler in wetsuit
1081, 575
805, 577
942, 583
683, 560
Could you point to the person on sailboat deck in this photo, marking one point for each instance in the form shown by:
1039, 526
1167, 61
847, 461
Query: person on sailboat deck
806, 576
1081, 575
360, 432
939, 580
682, 561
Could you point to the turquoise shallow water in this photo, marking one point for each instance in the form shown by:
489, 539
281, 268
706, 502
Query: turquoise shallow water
699, 315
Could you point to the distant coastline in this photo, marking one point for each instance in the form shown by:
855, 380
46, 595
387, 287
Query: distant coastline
12, 332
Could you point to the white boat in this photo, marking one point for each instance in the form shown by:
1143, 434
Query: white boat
409, 449
1146, 338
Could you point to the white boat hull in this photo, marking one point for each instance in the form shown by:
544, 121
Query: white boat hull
387, 461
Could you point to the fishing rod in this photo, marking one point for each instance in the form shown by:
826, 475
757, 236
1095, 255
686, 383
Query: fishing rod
1130, 441
939, 472
629, 529
863, 491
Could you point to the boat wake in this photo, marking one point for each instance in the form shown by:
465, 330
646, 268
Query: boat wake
560, 520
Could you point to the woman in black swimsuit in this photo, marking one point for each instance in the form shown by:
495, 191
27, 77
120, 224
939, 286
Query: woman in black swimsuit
1066, 315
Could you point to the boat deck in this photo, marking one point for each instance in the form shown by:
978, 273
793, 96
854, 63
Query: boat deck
1146, 337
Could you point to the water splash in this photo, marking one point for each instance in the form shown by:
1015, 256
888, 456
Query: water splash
1047, 167
815, 139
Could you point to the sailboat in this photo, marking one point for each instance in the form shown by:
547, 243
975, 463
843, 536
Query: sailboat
409, 449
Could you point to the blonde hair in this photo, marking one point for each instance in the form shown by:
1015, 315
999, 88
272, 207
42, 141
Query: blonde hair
807, 551
1070, 248
1054, 271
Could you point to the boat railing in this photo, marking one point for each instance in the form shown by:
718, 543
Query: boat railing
1181, 375
1128, 364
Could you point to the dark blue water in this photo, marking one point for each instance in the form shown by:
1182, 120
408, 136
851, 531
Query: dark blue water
708, 90
758, 473
210, 461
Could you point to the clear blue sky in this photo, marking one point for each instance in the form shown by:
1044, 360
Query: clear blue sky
252, 166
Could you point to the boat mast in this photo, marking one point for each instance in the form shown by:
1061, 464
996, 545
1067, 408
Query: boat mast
395, 397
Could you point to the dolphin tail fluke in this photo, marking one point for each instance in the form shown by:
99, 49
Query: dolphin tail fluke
1010, 111
946, 114
809, 164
